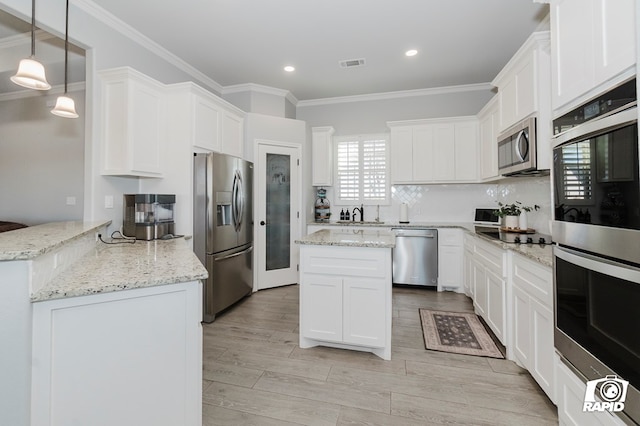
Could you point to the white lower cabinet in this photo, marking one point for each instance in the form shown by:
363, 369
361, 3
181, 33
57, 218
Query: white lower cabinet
570, 391
496, 304
532, 304
131, 357
345, 298
489, 281
450, 259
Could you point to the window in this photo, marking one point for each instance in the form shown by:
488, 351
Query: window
362, 170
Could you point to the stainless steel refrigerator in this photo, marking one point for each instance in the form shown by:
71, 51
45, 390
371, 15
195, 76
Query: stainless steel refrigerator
223, 228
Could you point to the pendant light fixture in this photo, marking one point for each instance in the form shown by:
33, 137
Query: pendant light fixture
65, 106
31, 72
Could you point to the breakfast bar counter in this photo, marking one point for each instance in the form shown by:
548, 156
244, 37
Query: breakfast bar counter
122, 319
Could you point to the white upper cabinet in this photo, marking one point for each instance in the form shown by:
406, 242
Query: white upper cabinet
593, 43
322, 156
434, 150
232, 133
207, 121
133, 120
524, 83
488, 120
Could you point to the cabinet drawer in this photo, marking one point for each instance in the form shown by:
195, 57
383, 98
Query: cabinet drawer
469, 242
450, 237
492, 257
352, 261
533, 278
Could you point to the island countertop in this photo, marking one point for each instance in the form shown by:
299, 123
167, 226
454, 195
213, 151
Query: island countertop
116, 267
350, 238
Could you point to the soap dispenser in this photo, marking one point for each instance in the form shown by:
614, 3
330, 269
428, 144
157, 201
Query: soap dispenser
342, 214
347, 216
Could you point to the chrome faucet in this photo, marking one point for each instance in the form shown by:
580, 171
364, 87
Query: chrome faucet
361, 210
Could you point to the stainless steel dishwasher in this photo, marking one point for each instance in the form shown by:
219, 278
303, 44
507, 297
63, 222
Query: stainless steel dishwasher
415, 257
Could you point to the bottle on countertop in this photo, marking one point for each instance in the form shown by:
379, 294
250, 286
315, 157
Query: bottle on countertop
342, 214
347, 215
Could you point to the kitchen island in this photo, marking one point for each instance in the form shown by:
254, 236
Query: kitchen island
345, 290
98, 333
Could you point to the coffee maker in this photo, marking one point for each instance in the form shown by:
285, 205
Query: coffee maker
148, 216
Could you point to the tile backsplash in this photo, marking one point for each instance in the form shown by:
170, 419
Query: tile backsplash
456, 203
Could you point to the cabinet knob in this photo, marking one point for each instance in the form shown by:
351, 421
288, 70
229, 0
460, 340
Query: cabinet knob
262, 222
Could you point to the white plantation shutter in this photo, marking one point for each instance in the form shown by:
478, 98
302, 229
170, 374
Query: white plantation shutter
362, 170
577, 172
349, 170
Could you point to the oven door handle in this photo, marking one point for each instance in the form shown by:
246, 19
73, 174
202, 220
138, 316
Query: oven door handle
596, 126
599, 264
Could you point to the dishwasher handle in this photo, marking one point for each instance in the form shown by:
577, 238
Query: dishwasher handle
415, 233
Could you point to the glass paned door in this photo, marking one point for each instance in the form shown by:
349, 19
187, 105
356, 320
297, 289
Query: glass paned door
278, 223
276, 212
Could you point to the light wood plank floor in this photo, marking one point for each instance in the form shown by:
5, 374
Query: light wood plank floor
254, 373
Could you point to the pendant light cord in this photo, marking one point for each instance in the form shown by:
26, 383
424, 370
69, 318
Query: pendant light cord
33, 28
66, 47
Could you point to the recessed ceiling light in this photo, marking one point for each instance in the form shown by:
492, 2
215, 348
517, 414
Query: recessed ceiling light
412, 52
289, 68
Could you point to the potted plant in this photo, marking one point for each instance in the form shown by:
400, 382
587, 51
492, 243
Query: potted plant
514, 215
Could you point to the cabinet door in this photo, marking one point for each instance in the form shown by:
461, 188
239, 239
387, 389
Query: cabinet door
147, 123
466, 151
363, 315
232, 134
423, 153
468, 273
480, 290
321, 307
321, 156
206, 124
521, 327
615, 44
572, 49
526, 84
541, 331
496, 295
444, 152
488, 142
450, 267
508, 98
402, 154
571, 398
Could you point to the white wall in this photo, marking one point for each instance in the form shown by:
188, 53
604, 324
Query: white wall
41, 160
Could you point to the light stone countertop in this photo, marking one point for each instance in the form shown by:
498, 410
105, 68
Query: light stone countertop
542, 254
350, 238
33, 241
116, 267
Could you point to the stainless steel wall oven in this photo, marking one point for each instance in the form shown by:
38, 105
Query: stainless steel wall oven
596, 227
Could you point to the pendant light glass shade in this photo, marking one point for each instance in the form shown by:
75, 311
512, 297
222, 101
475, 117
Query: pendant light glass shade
31, 75
31, 72
65, 107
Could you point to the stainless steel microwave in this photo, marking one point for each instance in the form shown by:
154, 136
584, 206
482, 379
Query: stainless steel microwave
517, 151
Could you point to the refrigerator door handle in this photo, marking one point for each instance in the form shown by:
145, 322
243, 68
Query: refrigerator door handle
218, 259
238, 200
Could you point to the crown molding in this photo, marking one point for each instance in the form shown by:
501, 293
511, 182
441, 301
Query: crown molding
396, 95
24, 38
253, 87
91, 8
30, 93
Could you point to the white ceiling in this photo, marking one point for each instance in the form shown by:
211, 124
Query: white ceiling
250, 41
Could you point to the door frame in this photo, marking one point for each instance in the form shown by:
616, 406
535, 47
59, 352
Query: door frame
295, 228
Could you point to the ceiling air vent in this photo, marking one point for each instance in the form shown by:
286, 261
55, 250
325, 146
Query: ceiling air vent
351, 63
